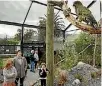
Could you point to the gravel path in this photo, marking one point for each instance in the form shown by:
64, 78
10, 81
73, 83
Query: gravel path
31, 77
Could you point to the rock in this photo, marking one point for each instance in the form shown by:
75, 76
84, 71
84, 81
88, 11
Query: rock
82, 72
76, 82
80, 63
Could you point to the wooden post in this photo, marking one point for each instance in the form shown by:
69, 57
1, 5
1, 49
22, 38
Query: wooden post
49, 43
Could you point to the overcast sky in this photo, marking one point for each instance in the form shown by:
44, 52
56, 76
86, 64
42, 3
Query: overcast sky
15, 11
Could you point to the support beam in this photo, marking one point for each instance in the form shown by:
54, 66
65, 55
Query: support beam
50, 43
72, 30
22, 33
46, 5
20, 25
68, 26
63, 36
27, 12
91, 4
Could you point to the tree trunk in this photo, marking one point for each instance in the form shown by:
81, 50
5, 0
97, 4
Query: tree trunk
49, 43
94, 54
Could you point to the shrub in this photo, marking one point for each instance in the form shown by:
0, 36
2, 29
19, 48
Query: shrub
93, 75
1, 63
78, 76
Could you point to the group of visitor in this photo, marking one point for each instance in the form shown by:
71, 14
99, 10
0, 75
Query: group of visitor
15, 70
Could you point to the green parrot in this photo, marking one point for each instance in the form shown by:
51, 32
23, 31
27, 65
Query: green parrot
84, 14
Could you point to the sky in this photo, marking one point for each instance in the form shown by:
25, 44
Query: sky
15, 11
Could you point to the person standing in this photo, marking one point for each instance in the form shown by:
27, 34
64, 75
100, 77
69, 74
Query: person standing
36, 58
43, 74
20, 64
32, 61
9, 73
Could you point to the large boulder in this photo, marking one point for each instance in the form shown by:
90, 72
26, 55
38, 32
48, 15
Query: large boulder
86, 74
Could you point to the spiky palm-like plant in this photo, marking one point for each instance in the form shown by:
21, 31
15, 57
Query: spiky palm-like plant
58, 26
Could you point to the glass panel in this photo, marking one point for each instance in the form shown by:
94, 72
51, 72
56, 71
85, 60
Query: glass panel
8, 35
66, 22
30, 35
35, 13
42, 1
8, 30
96, 11
8, 39
72, 30
13, 11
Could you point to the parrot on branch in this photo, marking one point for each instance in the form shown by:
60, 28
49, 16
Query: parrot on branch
84, 14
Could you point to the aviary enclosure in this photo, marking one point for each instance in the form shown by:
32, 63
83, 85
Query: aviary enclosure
73, 59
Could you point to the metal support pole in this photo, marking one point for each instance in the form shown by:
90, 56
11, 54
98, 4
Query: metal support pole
22, 34
64, 36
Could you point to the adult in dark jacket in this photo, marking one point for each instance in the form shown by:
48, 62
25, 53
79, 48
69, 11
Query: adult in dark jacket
32, 59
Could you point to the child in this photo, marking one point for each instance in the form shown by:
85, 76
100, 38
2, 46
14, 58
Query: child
62, 78
43, 74
9, 73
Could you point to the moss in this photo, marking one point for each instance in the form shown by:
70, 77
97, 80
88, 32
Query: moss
78, 76
85, 80
94, 75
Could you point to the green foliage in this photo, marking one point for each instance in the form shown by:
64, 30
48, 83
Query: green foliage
58, 26
78, 76
1, 63
71, 51
28, 33
6, 56
9, 41
93, 75
57, 57
81, 78
70, 57
12, 42
82, 42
